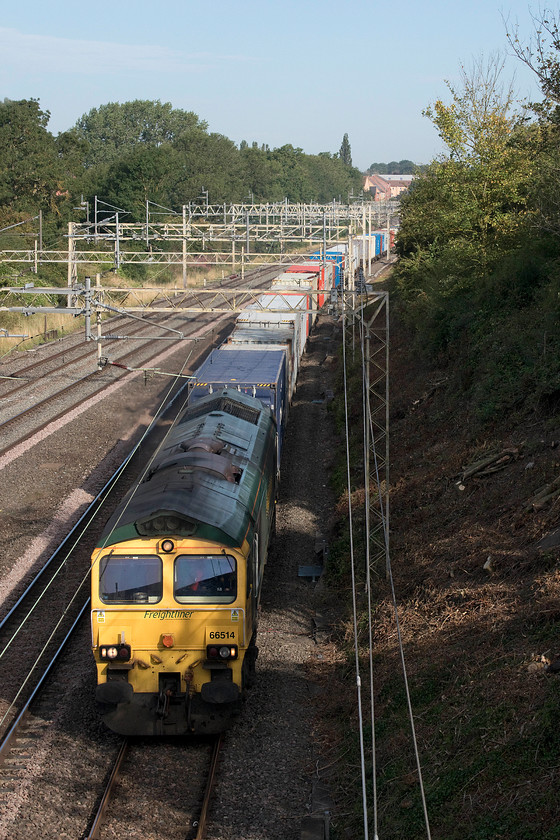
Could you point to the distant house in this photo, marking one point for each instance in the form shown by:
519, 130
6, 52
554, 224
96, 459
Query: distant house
387, 186
378, 186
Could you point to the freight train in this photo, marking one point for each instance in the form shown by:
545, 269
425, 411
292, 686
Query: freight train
177, 574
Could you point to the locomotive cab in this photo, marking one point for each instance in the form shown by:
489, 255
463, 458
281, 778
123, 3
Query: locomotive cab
173, 636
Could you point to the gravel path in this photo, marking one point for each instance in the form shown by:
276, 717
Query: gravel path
269, 761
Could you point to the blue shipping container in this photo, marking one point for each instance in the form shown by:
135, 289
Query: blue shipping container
337, 258
258, 373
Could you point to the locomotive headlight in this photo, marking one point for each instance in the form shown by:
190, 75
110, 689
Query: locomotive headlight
223, 652
112, 652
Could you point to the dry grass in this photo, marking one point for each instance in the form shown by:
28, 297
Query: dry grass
37, 328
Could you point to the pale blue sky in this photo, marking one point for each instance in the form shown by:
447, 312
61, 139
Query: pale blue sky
276, 72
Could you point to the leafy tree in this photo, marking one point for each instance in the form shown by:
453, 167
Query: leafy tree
541, 55
345, 153
378, 169
136, 177
467, 212
174, 173
72, 152
30, 169
261, 174
115, 128
293, 173
478, 122
489, 166
212, 160
331, 178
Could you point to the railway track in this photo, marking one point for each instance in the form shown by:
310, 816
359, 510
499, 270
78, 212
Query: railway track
199, 763
17, 428
138, 773
44, 367
38, 369
26, 728
99, 382
60, 795
33, 627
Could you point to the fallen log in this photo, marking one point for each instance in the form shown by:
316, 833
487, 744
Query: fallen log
547, 489
545, 495
491, 463
541, 503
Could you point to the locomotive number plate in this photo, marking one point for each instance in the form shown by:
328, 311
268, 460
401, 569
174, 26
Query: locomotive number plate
221, 634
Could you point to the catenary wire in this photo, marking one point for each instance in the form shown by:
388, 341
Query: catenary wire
366, 448
353, 574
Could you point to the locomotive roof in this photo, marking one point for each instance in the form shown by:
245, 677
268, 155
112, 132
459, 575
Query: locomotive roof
206, 479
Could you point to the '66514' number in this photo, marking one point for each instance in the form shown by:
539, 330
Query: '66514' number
221, 634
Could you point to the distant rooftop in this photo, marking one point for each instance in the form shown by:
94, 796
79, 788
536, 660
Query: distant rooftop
397, 177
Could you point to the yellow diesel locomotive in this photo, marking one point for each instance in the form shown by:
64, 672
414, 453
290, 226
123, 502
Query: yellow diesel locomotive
177, 574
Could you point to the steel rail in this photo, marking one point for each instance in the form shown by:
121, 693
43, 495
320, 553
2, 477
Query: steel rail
203, 819
83, 379
11, 734
94, 833
134, 335
112, 320
64, 390
64, 352
90, 511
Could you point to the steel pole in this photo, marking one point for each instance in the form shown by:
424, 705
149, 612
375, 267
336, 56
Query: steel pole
184, 247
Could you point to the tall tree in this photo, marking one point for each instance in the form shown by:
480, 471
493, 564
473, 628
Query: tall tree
345, 153
478, 122
30, 170
115, 129
541, 53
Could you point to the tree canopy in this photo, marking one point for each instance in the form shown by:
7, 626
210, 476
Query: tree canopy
127, 153
463, 216
31, 162
479, 244
401, 167
115, 128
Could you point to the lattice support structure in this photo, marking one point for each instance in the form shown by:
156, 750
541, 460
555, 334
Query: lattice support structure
371, 324
377, 432
88, 300
236, 236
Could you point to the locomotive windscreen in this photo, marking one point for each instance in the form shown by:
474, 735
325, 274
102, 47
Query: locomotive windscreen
130, 580
207, 578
